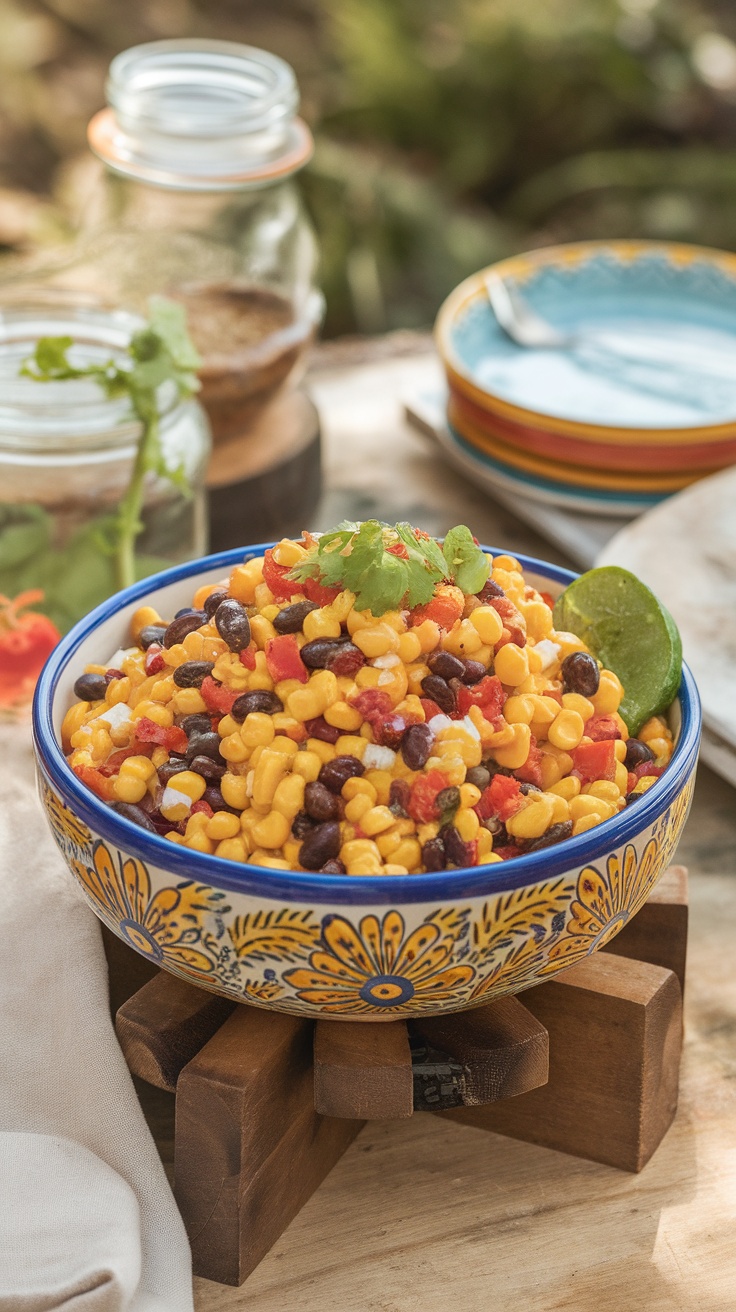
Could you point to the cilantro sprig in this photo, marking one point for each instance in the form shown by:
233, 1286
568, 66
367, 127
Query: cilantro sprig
389, 566
158, 353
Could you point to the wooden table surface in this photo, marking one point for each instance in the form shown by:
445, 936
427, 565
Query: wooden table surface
425, 1216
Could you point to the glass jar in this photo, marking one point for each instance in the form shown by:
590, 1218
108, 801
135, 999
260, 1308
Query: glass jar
66, 459
200, 143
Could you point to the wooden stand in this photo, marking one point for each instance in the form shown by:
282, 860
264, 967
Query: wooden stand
266, 1104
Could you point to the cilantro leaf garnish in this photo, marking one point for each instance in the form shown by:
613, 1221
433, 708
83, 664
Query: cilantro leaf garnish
158, 353
390, 567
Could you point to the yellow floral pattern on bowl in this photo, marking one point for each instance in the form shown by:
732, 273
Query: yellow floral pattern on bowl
367, 963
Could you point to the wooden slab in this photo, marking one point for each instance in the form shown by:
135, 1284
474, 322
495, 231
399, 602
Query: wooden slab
502, 1048
658, 933
362, 1072
164, 1025
250, 1148
615, 1035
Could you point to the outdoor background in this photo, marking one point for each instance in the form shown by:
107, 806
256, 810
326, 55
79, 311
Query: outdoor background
449, 132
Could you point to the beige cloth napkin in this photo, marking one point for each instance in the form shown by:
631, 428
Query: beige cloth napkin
87, 1219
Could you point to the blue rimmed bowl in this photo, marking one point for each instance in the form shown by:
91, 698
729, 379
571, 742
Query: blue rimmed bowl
352, 948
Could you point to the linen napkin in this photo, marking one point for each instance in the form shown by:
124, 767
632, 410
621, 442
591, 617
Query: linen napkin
88, 1222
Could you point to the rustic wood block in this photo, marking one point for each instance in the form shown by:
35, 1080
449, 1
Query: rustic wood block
502, 1048
127, 970
164, 1025
658, 933
615, 1036
250, 1148
362, 1072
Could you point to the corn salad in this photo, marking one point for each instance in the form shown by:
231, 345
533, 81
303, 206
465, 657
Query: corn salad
276, 723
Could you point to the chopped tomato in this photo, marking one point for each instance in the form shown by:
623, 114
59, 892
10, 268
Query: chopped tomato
445, 608
25, 642
509, 851
398, 549
593, 761
115, 759
531, 771
430, 708
95, 780
202, 806
646, 768
154, 661
488, 694
548, 599
248, 657
216, 696
422, 805
501, 798
275, 576
372, 704
283, 660
512, 619
172, 737
554, 693
602, 727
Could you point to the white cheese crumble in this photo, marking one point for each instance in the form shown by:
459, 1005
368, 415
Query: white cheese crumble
115, 715
387, 662
378, 758
440, 722
174, 797
116, 660
549, 652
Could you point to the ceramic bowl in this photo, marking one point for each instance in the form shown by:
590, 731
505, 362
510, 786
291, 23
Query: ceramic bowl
657, 322
361, 948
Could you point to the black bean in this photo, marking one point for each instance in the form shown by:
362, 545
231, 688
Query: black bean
580, 674
633, 797
498, 829
199, 723
320, 845
319, 728
490, 589
440, 692
204, 744
433, 854
302, 824
213, 601
208, 768
335, 774
291, 618
346, 660
214, 798
529, 788
555, 834
333, 867
90, 687
136, 815
446, 665
192, 673
318, 653
399, 797
170, 768
474, 671
150, 634
448, 799
181, 626
479, 776
232, 624
455, 847
636, 753
257, 702
319, 802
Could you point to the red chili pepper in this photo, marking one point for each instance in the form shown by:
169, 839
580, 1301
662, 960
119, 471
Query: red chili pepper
95, 780
216, 696
601, 728
424, 792
283, 660
248, 657
488, 694
501, 798
25, 642
595, 760
531, 771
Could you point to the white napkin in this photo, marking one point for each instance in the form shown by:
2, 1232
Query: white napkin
87, 1219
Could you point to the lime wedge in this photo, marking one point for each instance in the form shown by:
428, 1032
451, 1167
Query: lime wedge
630, 632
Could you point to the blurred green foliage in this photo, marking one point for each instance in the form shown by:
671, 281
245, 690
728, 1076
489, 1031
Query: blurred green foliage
449, 132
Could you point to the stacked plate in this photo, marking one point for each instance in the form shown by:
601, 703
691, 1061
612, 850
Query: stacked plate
640, 405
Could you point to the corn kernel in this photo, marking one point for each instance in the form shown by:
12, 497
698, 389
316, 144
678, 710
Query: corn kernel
305, 704
488, 624
519, 710
161, 715
511, 663
232, 849
358, 786
325, 751
378, 640
376, 819
605, 789
245, 579
358, 848
584, 804
283, 744
609, 695
141, 618
199, 842
467, 824
513, 756
567, 788
138, 767
469, 795
222, 825
654, 728
428, 633
621, 778
307, 764
128, 788
270, 770
321, 624
342, 716
408, 854
532, 820
573, 701
560, 809
566, 730
351, 745
357, 807
257, 729
273, 830
462, 640
538, 618
619, 749
289, 796
188, 701
381, 781
233, 749
585, 822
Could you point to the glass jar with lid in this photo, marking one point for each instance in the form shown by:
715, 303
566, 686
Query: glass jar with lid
66, 459
201, 143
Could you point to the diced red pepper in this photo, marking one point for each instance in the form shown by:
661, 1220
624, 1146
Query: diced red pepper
154, 662
388, 730
531, 771
445, 608
283, 588
216, 696
248, 656
424, 792
372, 704
171, 737
548, 599
115, 759
398, 549
488, 694
430, 708
202, 806
554, 693
513, 621
509, 851
602, 727
283, 660
645, 768
501, 798
593, 761
96, 781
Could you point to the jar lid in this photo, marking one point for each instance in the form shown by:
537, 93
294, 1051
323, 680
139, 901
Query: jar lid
202, 116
